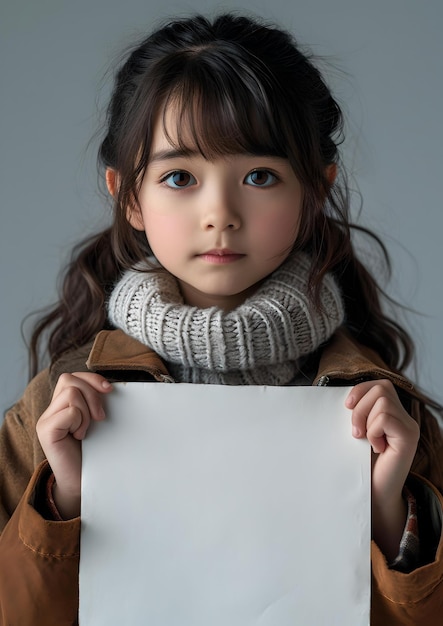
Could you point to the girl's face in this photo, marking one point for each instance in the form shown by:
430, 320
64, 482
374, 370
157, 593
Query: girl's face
219, 226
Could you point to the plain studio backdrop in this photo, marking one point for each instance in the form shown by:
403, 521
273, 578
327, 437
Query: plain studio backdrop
383, 59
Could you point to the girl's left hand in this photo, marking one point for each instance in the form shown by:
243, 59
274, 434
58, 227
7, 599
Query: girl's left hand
378, 415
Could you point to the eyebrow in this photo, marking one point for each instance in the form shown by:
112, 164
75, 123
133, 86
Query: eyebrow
168, 154
171, 153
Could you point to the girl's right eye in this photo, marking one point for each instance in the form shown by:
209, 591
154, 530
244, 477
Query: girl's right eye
179, 179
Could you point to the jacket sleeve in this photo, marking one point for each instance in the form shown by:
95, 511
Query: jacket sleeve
416, 598
39, 564
20, 450
38, 558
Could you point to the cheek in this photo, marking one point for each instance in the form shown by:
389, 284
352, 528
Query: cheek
278, 230
165, 233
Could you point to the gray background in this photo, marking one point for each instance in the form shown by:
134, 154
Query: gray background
383, 58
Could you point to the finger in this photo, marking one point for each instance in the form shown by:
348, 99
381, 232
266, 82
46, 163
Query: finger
385, 423
364, 408
69, 396
358, 391
82, 380
76, 401
363, 398
90, 385
376, 430
70, 420
69, 413
395, 426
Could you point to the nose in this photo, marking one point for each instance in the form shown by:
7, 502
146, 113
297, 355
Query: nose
220, 212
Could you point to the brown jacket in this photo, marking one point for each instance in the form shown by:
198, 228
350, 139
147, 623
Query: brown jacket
39, 558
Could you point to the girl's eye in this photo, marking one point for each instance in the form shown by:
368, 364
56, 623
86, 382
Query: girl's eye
179, 180
261, 178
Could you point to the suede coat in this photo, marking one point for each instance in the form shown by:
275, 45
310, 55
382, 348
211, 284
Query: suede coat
39, 558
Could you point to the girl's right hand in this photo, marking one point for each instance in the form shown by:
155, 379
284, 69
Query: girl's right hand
75, 402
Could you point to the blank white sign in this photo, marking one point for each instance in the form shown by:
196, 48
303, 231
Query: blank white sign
207, 505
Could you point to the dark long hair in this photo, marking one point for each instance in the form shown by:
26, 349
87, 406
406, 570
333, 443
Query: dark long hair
241, 86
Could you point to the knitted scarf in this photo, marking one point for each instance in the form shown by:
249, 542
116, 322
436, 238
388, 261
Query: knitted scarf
260, 342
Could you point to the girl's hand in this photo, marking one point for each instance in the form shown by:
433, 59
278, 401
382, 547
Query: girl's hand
75, 402
378, 414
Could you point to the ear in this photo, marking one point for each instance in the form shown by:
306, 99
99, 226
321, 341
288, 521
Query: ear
331, 173
111, 181
133, 215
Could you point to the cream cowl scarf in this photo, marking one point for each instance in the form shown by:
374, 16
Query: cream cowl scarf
261, 342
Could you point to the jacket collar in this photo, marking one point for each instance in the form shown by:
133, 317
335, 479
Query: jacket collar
114, 351
344, 359
115, 355
120, 357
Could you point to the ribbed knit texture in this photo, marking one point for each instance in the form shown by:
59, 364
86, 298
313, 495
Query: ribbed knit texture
260, 342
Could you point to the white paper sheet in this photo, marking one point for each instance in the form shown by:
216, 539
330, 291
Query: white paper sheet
207, 505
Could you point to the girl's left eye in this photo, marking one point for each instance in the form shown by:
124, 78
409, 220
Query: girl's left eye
261, 178
179, 180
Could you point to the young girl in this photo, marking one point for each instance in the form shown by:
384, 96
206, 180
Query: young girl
229, 261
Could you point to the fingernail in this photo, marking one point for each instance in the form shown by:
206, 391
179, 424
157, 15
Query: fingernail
355, 431
106, 384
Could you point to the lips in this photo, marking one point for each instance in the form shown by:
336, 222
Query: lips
221, 256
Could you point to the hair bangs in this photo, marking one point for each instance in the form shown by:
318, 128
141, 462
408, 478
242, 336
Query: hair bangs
218, 111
